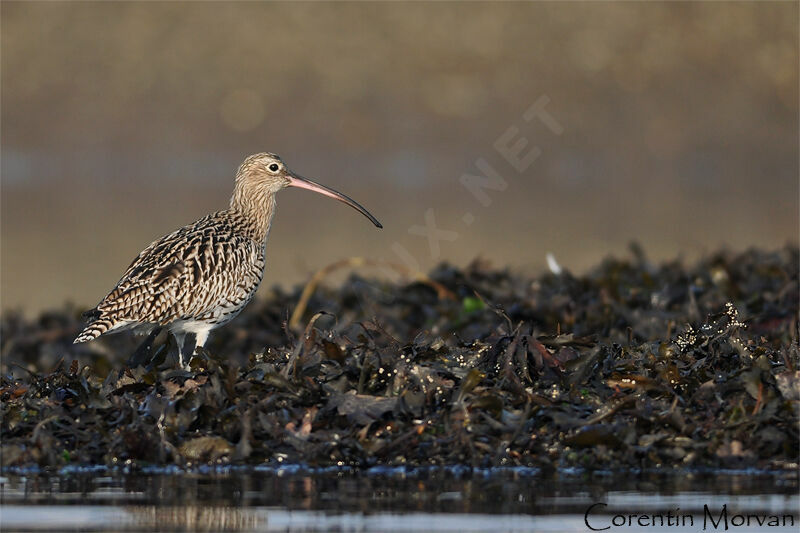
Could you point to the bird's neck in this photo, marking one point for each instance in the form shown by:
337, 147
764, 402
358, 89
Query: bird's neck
257, 207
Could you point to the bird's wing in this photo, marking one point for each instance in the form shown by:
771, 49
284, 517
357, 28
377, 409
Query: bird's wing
181, 274
226, 270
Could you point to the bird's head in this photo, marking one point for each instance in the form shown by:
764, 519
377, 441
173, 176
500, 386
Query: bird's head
267, 173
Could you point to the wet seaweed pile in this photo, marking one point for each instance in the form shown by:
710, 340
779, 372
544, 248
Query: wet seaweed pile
632, 365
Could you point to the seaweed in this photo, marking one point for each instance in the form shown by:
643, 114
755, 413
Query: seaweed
631, 365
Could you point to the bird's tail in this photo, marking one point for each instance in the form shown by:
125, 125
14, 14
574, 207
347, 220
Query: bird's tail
96, 328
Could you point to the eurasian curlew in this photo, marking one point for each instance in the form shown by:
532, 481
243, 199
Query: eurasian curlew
201, 276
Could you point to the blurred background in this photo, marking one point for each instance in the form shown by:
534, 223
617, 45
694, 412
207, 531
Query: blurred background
123, 121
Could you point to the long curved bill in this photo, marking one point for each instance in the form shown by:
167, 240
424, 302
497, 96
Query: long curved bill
305, 183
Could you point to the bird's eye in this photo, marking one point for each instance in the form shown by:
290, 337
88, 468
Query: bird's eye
274, 167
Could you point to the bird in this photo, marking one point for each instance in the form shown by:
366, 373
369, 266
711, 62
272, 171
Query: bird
202, 275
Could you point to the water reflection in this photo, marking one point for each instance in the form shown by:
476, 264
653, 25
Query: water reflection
301, 499
193, 518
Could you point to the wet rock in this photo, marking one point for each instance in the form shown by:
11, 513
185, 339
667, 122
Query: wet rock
205, 449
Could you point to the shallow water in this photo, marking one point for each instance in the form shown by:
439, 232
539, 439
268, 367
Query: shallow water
394, 500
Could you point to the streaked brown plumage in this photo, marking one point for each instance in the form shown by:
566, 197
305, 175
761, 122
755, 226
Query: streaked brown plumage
201, 276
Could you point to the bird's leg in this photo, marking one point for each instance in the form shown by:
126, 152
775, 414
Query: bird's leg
145, 350
180, 339
187, 350
200, 339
